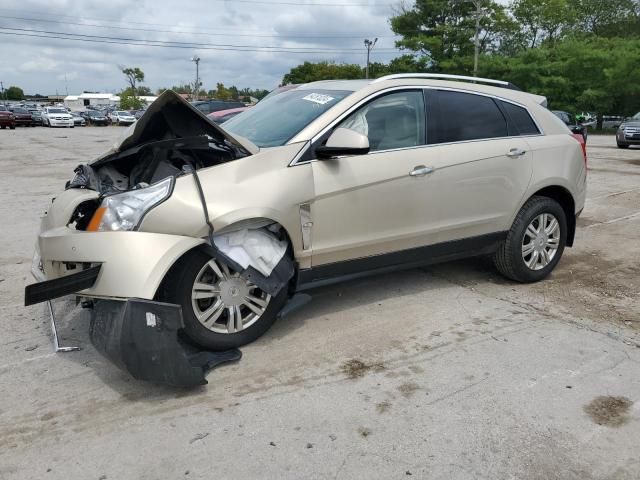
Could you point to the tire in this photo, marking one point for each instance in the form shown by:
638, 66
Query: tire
622, 145
178, 288
510, 259
3, 127
12, 127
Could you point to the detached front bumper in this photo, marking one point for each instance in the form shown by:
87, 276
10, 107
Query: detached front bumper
132, 264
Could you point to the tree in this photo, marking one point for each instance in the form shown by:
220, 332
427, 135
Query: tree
133, 75
222, 93
143, 91
311, 72
14, 93
443, 31
130, 102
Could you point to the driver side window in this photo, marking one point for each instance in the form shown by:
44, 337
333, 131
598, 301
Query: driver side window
396, 120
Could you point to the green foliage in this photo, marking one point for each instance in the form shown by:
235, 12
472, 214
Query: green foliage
130, 102
593, 74
14, 93
310, 72
133, 76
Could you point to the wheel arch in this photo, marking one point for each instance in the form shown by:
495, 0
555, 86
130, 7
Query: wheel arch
567, 202
259, 222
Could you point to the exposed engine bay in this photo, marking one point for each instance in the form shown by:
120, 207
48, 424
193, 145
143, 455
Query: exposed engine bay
170, 135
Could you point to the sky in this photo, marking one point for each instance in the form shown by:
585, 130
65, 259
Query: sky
298, 31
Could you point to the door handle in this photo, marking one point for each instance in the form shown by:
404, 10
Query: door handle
420, 171
516, 152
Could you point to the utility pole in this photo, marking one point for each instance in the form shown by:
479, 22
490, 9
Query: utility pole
196, 90
476, 41
3, 98
368, 44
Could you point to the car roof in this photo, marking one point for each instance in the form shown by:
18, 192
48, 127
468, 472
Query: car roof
506, 91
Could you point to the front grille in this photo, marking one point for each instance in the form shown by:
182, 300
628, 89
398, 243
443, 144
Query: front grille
629, 131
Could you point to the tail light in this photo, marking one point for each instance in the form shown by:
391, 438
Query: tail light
583, 144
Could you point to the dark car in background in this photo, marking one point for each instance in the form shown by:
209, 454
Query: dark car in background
210, 106
629, 132
571, 122
7, 119
22, 116
78, 120
95, 117
36, 115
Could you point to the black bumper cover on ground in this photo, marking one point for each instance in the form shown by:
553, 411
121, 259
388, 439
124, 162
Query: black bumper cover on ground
142, 337
59, 287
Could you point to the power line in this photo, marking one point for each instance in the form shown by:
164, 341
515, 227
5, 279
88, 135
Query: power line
194, 45
212, 34
189, 46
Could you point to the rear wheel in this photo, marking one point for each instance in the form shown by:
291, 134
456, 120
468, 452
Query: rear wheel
221, 309
535, 242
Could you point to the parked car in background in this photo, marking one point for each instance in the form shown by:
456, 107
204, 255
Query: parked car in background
36, 114
57, 117
629, 132
612, 121
571, 122
210, 106
121, 117
78, 120
222, 116
137, 113
96, 117
23, 116
7, 119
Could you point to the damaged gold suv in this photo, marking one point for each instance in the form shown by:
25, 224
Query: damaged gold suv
218, 226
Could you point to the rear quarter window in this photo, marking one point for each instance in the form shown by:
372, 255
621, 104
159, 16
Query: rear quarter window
520, 119
457, 117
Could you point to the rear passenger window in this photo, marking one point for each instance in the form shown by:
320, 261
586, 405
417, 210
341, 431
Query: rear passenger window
520, 119
465, 116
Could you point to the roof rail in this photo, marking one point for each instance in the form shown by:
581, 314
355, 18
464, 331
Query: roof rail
445, 76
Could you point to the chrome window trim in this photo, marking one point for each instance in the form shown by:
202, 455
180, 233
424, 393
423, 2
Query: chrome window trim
378, 93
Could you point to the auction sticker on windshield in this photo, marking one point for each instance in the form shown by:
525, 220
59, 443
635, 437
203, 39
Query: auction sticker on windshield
318, 98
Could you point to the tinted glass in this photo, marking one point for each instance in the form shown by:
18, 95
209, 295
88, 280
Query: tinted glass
465, 116
57, 110
2, 108
520, 119
392, 121
19, 110
273, 121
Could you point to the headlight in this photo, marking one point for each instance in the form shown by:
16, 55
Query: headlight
124, 211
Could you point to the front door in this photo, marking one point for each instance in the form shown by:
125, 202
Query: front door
377, 203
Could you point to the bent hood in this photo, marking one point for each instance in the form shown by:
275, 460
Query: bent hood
169, 117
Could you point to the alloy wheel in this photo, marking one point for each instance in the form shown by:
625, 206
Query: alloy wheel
541, 241
223, 301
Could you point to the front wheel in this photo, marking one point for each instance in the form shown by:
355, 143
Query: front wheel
622, 145
221, 309
535, 241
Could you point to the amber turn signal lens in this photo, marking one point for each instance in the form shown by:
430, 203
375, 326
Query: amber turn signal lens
94, 224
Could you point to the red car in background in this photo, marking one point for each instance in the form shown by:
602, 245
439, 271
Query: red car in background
7, 119
22, 116
222, 116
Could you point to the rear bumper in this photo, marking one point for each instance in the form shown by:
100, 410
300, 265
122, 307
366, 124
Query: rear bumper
132, 264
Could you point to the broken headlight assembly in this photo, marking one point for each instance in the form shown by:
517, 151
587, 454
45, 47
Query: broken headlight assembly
124, 211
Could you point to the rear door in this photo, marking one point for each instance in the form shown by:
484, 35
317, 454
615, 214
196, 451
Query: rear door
482, 165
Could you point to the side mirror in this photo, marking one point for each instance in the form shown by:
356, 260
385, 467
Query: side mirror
344, 141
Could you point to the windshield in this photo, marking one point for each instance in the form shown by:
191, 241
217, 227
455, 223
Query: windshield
122, 113
57, 110
275, 120
93, 113
19, 110
636, 116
